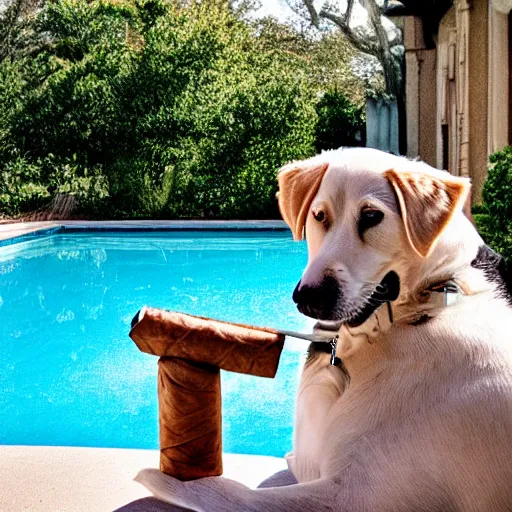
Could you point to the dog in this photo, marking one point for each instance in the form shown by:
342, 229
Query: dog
418, 414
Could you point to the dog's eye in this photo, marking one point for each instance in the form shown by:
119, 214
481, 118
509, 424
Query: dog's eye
368, 218
318, 215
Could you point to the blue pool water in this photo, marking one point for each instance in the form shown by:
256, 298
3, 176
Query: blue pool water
71, 376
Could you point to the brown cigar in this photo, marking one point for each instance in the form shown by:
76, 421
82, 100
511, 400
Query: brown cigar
190, 419
233, 347
192, 350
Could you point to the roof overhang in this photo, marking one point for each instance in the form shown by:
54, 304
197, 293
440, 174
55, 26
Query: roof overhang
429, 11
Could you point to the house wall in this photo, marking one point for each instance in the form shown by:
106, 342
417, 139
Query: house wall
478, 91
448, 92
447, 109
498, 102
420, 92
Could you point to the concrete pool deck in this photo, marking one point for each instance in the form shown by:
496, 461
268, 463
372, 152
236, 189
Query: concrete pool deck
62, 479
15, 229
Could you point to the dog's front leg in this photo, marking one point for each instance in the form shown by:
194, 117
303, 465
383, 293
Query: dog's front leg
217, 494
320, 387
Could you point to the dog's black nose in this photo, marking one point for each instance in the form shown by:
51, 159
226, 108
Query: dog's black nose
296, 293
318, 301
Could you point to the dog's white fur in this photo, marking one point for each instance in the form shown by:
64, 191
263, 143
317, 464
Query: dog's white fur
424, 423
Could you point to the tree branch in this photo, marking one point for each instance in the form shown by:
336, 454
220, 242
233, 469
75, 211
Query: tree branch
348, 12
363, 45
312, 12
376, 44
384, 54
342, 22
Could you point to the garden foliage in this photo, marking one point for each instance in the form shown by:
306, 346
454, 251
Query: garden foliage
140, 109
339, 121
494, 216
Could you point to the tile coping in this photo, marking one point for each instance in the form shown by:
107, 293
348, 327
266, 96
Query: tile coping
19, 232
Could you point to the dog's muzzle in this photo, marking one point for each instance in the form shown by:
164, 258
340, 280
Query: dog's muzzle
320, 301
324, 301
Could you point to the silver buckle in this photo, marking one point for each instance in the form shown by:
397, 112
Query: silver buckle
447, 293
335, 361
450, 294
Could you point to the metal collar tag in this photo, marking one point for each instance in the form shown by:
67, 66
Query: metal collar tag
335, 361
446, 294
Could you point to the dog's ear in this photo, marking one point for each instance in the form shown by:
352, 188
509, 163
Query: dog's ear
298, 185
427, 203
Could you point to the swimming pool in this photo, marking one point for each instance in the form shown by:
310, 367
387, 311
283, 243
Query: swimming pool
70, 375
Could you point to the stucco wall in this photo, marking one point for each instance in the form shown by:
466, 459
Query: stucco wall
428, 105
498, 99
420, 93
478, 94
453, 90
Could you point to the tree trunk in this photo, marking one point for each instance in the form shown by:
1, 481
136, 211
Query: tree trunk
388, 61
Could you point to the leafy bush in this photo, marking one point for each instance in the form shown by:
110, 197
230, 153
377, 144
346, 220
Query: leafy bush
494, 217
20, 186
339, 121
28, 186
140, 109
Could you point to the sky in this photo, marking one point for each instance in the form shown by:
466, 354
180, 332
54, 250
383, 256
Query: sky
281, 11
274, 8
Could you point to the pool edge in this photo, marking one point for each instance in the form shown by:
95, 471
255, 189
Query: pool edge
13, 233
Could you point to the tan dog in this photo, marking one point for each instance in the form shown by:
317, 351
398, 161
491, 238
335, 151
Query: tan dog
419, 418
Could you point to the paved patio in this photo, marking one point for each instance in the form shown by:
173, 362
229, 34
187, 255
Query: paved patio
61, 479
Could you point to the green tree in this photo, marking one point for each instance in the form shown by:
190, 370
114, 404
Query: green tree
326, 56
340, 122
146, 109
372, 40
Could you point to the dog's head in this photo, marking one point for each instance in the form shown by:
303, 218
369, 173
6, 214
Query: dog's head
368, 217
